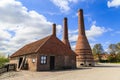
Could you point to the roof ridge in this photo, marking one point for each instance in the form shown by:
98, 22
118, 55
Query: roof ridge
43, 43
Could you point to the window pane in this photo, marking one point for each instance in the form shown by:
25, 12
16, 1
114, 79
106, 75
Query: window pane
44, 62
44, 57
41, 61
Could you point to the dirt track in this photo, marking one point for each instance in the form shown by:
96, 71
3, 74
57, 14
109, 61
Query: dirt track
101, 72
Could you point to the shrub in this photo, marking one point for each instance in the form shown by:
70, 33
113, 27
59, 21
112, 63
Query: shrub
3, 60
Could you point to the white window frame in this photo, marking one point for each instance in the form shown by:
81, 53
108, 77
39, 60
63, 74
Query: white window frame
43, 59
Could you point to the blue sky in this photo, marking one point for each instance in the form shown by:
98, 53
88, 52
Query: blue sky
24, 21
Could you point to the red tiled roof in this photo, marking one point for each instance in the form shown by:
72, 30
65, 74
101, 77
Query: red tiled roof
47, 45
30, 48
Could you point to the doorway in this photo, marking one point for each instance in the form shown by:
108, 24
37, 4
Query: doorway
20, 61
52, 62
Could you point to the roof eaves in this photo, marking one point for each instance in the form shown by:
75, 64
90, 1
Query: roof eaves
22, 55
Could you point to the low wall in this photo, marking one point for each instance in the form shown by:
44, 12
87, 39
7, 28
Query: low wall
7, 68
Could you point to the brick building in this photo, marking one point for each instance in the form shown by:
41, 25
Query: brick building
48, 53
51, 53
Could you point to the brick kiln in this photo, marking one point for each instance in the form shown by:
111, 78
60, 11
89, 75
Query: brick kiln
83, 49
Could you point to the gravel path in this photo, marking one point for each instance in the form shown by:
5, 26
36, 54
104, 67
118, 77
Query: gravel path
100, 72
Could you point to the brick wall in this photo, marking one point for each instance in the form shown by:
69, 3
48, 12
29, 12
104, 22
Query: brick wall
60, 62
42, 67
29, 58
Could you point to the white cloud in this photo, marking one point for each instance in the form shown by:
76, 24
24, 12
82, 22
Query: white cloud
63, 4
113, 3
92, 33
95, 31
19, 26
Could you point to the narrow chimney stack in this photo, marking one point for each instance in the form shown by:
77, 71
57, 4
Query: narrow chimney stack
54, 30
65, 33
81, 22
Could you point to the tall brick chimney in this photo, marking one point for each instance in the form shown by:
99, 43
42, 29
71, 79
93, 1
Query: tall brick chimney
81, 23
83, 49
65, 33
54, 30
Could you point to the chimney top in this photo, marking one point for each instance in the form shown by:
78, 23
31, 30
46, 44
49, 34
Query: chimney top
65, 18
54, 30
80, 10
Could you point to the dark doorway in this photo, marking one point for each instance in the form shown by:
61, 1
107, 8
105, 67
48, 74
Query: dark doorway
52, 62
20, 61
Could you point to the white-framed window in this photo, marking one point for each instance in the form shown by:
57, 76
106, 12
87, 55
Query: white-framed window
43, 59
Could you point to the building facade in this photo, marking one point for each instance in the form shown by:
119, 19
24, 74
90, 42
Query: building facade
48, 53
